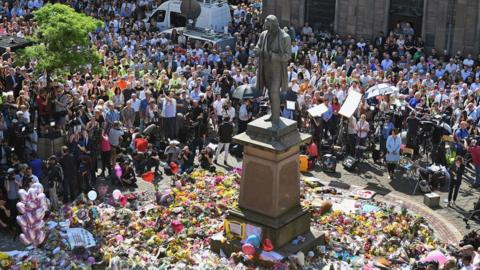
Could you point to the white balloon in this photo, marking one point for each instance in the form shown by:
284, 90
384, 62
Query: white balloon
92, 195
116, 194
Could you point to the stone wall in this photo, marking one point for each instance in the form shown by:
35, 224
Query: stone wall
365, 18
288, 12
361, 18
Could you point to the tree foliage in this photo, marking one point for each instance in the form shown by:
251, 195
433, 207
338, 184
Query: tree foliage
62, 41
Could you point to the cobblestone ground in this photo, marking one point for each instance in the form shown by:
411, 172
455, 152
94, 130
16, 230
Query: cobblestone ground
447, 222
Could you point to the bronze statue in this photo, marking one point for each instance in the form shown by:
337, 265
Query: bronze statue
274, 51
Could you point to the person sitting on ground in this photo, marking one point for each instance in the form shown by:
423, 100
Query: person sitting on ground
128, 175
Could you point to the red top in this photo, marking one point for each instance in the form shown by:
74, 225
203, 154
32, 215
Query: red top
105, 144
475, 152
312, 150
141, 145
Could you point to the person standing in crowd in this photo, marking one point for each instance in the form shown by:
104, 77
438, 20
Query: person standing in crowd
169, 115
244, 116
456, 173
393, 152
71, 188
474, 150
413, 125
225, 134
114, 137
362, 128
54, 178
12, 186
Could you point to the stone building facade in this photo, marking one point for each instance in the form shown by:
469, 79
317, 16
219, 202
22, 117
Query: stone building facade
452, 25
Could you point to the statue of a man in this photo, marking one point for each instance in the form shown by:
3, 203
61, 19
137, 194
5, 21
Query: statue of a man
274, 51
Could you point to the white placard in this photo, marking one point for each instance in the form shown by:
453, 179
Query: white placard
318, 110
350, 104
235, 228
291, 105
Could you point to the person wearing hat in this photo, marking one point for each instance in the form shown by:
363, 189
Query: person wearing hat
54, 177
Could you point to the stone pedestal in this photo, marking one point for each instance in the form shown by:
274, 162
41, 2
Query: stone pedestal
270, 187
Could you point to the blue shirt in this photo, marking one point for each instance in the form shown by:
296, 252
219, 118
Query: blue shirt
36, 165
461, 134
387, 129
328, 114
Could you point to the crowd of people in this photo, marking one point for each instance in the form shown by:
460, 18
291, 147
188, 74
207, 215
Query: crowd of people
162, 99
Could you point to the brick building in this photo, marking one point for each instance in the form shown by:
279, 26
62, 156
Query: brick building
444, 24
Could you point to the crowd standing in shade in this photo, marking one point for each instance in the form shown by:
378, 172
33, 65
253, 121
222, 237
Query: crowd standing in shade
161, 100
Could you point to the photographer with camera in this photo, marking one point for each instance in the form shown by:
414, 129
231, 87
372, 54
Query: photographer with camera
186, 160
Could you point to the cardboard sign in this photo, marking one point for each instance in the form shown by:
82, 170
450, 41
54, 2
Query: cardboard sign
318, 110
234, 228
291, 105
350, 104
79, 237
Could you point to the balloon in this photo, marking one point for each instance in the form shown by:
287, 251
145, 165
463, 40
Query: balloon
116, 194
40, 237
31, 235
23, 194
91, 260
39, 213
41, 197
119, 238
39, 225
248, 249
25, 239
38, 187
123, 200
92, 195
21, 207
30, 206
30, 217
32, 192
21, 220
118, 171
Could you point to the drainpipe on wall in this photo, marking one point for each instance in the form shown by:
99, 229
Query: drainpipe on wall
450, 25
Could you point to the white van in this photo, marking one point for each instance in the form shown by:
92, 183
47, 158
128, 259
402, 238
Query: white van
214, 15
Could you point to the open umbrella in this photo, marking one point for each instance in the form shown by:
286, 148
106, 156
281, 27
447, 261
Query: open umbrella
381, 90
245, 91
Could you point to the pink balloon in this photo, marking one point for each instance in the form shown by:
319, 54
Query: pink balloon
41, 197
118, 171
25, 239
30, 205
38, 187
40, 237
23, 194
39, 214
30, 218
119, 238
21, 207
32, 193
22, 221
39, 225
31, 235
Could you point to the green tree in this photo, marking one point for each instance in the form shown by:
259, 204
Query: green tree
62, 43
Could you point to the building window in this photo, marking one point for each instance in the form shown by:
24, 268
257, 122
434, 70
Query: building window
405, 17
320, 14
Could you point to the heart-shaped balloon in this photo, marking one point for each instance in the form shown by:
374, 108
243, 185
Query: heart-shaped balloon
30, 218
23, 194
25, 239
21, 207
39, 213
22, 221
40, 238
39, 225
41, 197
31, 234
38, 187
